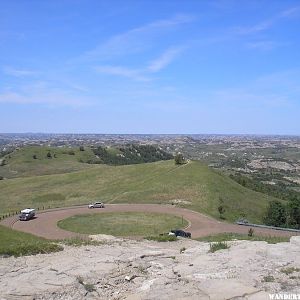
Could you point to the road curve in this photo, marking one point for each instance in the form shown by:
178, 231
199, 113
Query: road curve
200, 225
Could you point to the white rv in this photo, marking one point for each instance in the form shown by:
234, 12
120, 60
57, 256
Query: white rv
27, 214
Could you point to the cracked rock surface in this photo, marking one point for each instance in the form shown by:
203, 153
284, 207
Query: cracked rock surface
132, 270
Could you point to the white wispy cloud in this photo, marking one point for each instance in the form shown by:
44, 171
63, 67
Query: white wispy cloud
42, 93
268, 23
263, 45
137, 39
143, 73
291, 12
280, 89
165, 59
18, 72
123, 72
57, 99
248, 97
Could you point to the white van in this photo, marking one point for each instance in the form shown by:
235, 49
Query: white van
27, 214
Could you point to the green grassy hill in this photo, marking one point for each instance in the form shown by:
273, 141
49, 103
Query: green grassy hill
35, 160
193, 185
31, 161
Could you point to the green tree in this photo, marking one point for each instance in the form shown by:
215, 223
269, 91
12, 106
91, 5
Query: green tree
276, 214
49, 154
34, 156
81, 148
293, 209
179, 159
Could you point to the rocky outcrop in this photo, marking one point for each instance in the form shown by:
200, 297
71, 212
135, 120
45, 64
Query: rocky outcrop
128, 269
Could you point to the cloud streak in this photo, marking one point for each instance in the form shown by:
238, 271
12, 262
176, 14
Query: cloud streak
165, 59
266, 24
143, 73
40, 93
122, 71
135, 40
18, 72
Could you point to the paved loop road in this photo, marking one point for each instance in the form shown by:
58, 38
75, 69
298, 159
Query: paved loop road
45, 223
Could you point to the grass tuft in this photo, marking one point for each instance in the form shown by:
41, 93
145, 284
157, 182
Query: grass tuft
290, 270
223, 237
162, 238
268, 278
213, 247
78, 241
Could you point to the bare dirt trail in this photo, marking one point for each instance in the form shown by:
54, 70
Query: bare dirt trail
45, 224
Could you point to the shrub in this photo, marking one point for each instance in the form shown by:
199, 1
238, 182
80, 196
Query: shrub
268, 278
221, 208
182, 249
217, 246
179, 159
250, 232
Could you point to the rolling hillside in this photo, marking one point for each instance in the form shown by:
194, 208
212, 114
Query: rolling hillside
193, 185
35, 160
31, 161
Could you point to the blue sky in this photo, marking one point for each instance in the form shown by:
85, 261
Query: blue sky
150, 66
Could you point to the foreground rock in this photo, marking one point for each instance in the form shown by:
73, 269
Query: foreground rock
126, 269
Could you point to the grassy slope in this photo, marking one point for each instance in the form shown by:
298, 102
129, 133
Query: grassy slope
123, 224
19, 243
158, 182
20, 163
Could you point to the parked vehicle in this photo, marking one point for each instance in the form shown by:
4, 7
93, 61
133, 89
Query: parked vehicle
27, 214
242, 221
179, 232
96, 205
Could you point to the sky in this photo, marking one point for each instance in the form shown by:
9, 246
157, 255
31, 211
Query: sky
169, 66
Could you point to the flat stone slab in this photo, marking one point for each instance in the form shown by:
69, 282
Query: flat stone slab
133, 270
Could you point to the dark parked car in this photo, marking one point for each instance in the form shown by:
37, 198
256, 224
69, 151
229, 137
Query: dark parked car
179, 232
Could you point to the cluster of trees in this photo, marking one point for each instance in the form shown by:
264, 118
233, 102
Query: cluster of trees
284, 215
279, 190
130, 154
5, 152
